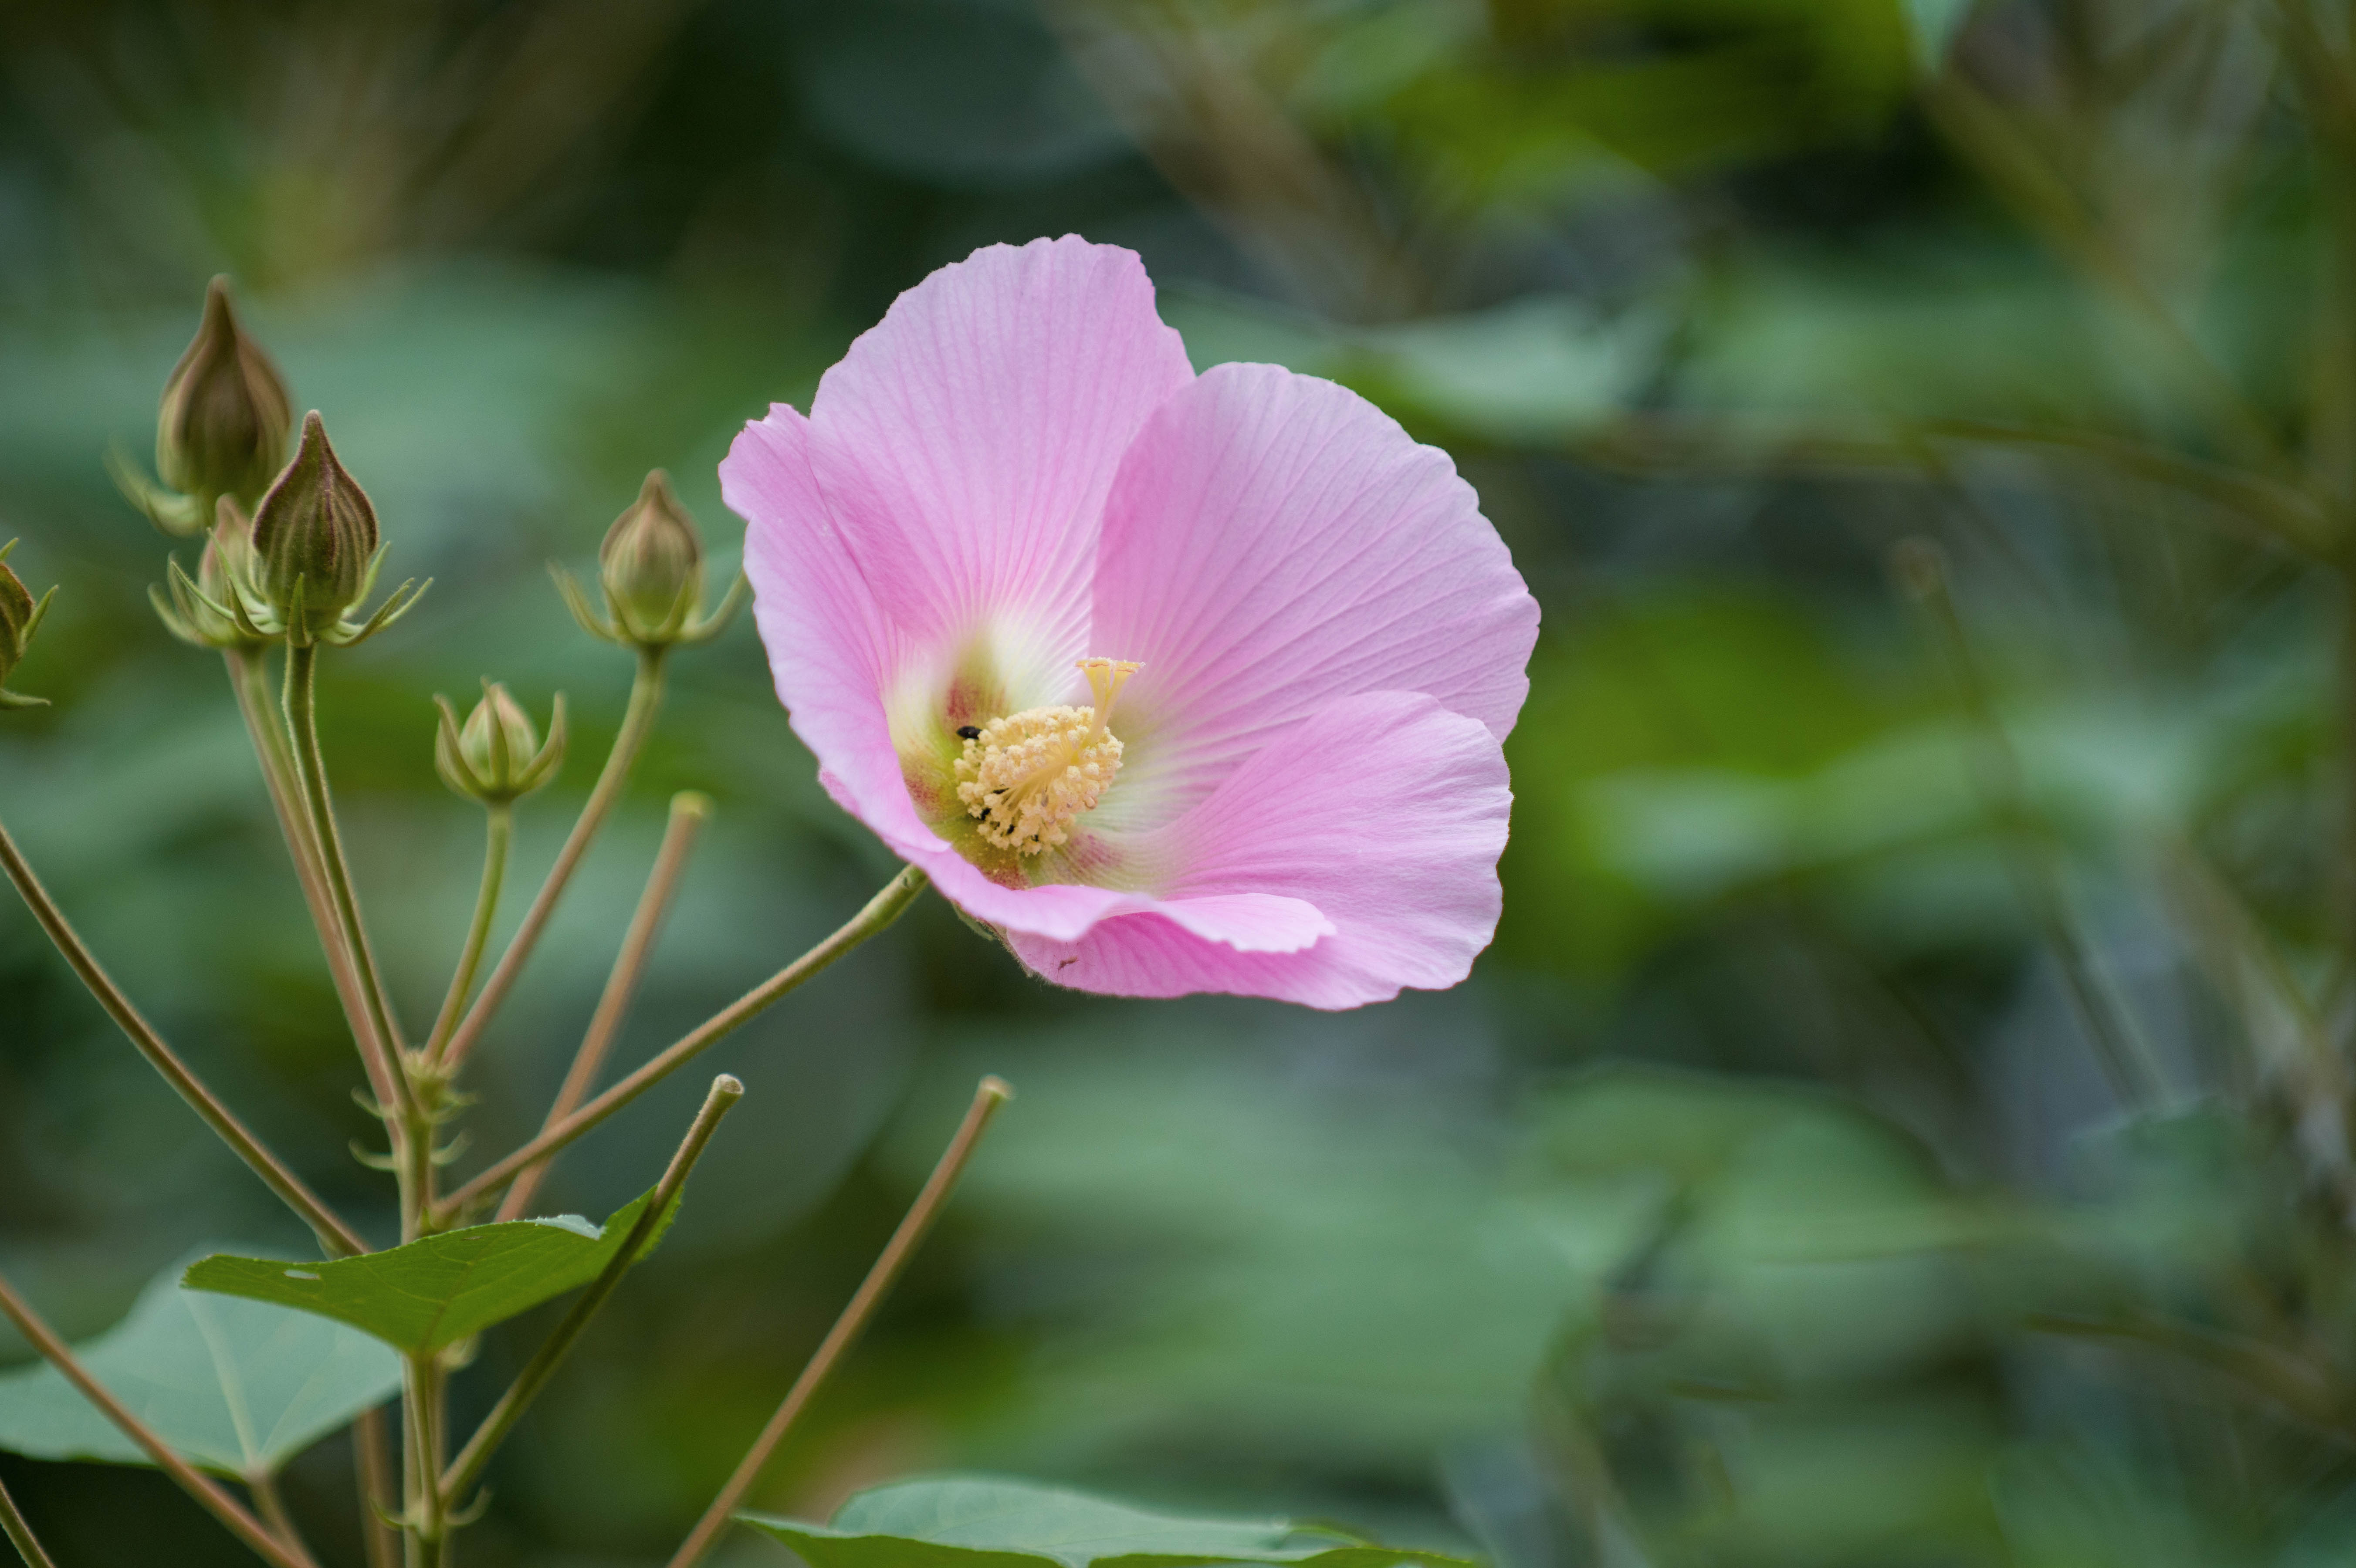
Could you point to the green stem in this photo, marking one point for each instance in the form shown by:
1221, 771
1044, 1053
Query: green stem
20, 1534
271, 1506
687, 812
638, 722
208, 1492
372, 1468
988, 1096
881, 910
423, 1388
499, 835
335, 1238
250, 679
303, 734
467, 1468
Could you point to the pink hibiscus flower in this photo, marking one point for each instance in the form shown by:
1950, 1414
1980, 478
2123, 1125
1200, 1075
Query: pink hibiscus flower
1179, 683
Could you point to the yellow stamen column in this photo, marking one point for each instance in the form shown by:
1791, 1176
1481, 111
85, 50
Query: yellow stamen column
1025, 776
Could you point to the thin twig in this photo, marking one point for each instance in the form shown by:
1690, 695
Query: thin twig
689, 811
467, 1468
335, 1238
2024, 177
881, 910
498, 835
20, 1534
992, 1093
2307, 1390
638, 722
2124, 1056
208, 1493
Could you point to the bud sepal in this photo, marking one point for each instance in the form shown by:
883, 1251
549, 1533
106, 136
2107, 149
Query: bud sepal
182, 517
496, 757
20, 617
207, 611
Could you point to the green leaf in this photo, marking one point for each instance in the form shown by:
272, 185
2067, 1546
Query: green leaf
238, 1386
982, 1521
440, 1290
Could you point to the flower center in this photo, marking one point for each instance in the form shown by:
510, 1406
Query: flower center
1024, 777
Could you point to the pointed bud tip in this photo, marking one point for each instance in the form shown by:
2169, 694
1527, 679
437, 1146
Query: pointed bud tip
221, 427
652, 566
314, 536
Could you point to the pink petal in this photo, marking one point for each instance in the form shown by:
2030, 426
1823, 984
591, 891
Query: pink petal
1385, 811
829, 644
967, 441
1274, 542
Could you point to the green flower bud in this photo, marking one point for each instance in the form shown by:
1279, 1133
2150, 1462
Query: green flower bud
496, 756
222, 428
315, 540
652, 566
20, 617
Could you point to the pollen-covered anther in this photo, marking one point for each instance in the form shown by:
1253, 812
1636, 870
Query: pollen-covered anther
1024, 777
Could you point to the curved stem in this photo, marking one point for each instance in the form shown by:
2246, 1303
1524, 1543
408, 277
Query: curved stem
499, 835
303, 734
250, 680
208, 1493
335, 1238
20, 1534
687, 812
467, 1468
881, 910
992, 1093
638, 722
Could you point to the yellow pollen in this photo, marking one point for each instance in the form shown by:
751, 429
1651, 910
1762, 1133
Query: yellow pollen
1027, 775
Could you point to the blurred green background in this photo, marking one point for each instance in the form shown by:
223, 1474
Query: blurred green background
1760, 1200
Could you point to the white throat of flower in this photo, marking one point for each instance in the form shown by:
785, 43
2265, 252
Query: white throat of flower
1024, 777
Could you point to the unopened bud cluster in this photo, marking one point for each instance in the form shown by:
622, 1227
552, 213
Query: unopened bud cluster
293, 547
496, 756
651, 570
